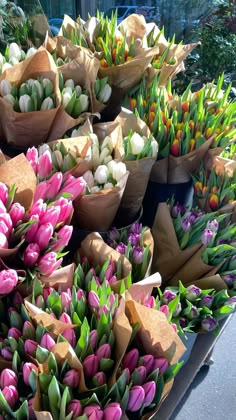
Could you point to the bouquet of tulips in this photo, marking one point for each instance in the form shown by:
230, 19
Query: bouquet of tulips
192, 309
74, 99
136, 245
14, 55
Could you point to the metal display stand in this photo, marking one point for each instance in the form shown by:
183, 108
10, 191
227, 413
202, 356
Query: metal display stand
200, 353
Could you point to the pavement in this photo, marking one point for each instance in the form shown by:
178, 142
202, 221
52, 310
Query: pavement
212, 395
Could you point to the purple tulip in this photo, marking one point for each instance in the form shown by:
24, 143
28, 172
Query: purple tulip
178, 310
28, 330
147, 361
27, 369
30, 347
168, 296
150, 391
183, 322
160, 363
213, 225
14, 333
209, 324
229, 279
165, 310
114, 234
192, 293
93, 339
136, 228
103, 352
47, 342
99, 379
72, 378
70, 336
93, 412
66, 299
136, 398
7, 378
186, 225
93, 300
90, 365
127, 375
137, 255
121, 248
177, 209
103, 310
231, 301
112, 412
74, 407
10, 394
207, 301
130, 360
134, 239
207, 237
142, 371
6, 353
193, 313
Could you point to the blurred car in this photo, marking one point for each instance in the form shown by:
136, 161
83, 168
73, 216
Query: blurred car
124, 11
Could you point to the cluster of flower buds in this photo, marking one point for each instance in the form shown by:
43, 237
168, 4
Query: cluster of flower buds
139, 147
216, 188
32, 95
14, 55
130, 242
192, 309
58, 60
74, 100
165, 57
102, 90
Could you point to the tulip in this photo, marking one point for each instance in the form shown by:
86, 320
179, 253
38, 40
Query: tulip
2, 208
178, 309
31, 255
27, 369
6, 66
136, 398
10, 99
46, 292
207, 301
10, 394
103, 352
31, 51
103, 309
47, 104
93, 339
137, 255
137, 144
160, 363
14, 333
14, 51
192, 293
89, 179
65, 318
147, 361
48, 87
193, 313
93, 412
63, 238
175, 148
38, 208
154, 146
134, 238
119, 170
70, 336
90, 365
31, 409
66, 299
39, 302
5, 87
41, 191
5, 217
93, 300
213, 201
186, 225
99, 379
207, 237
72, 378
114, 234
49, 263
7, 378
142, 371
150, 391
66, 209
47, 342
101, 174
130, 360
30, 347
165, 310
28, 330
54, 185
31, 232
75, 187
80, 294
43, 235
105, 94
84, 102
17, 213
5, 234
26, 103
112, 411
51, 215
17, 299
209, 324
176, 210
168, 296
15, 318
75, 408
3, 193
213, 225
8, 280
6, 353
44, 165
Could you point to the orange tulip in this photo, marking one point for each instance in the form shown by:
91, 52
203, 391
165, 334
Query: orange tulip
174, 149
214, 201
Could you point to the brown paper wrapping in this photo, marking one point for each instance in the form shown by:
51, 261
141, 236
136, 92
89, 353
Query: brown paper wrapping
143, 289
29, 128
96, 212
176, 170
134, 26
77, 145
70, 25
61, 279
168, 258
212, 154
5, 364
11, 173
149, 241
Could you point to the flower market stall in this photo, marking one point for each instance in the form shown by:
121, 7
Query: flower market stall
107, 273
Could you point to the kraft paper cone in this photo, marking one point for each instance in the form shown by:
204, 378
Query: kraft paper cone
63, 47
134, 26
11, 173
194, 269
209, 282
54, 326
96, 212
29, 128
168, 258
76, 145
210, 157
143, 289
61, 279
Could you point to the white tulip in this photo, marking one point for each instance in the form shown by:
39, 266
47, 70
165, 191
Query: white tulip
94, 139
38, 88
119, 171
57, 159
137, 144
107, 159
66, 97
13, 61
14, 51
94, 190
103, 155
5, 87
84, 102
23, 55
70, 83
30, 82
89, 179
105, 94
78, 90
111, 166
30, 52
43, 148
154, 146
25, 103
6, 66
48, 87
108, 142
10, 99
2, 60
108, 186
95, 156
3, 3
67, 90
47, 104
101, 174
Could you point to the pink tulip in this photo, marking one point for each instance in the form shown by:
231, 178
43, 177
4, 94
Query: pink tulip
31, 255
3, 193
7, 378
63, 238
147, 361
54, 185
30, 347
66, 299
93, 339
93, 300
80, 295
142, 371
72, 378
70, 336
75, 187
8, 280
174, 326
27, 369
103, 352
66, 209
3, 241
45, 164
32, 157
43, 235
39, 302
49, 263
65, 318
38, 208
28, 330
17, 213
6, 218
93, 412
31, 232
150, 391
112, 411
90, 365
14, 333
46, 292
4, 229
74, 407
47, 342
99, 379
2, 207
130, 360
136, 398
10, 394
6, 353
51, 215
165, 310
150, 302
160, 363
41, 191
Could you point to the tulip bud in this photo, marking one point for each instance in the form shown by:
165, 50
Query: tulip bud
75, 187
121, 248
130, 360
168, 296
65, 318
66, 299
54, 185
84, 102
14, 51
75, 408
99, 379
150, 391
30, 347
27, 369
10, 99
26, 103
66, 208
3, 193
213, 201
192, 293
14, 333
31, 51
186, 225
101, 174
69, 83
165, 310
93, 300
193, 313
28, 330
207, 237
47, 104
93, 339
103, 352
89, 179
49, 263
209, 324
48, 87
47, 342
147, 361
150, 302
17, 299
160, 363
207, 301
31, 255
137, 255
70, 336
6, 353
136, 398
178, 309
72, 378
90, 365
137, 144
45, 164
7, 378
10, 394
93, 411
8, 280
63, 238
17, 213
213, 225
43, 235
39, 302
119, 170
112, 411
5, 87
105, 94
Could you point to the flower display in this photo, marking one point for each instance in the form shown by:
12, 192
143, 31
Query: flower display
74, 99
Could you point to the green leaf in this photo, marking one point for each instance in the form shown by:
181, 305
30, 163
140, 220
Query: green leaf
64, 401
106, 364
172, 371
22, 413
